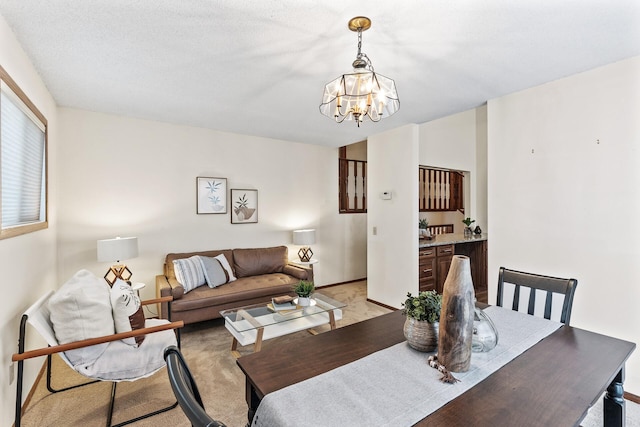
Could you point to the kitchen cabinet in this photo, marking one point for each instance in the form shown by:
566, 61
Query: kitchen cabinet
434, 260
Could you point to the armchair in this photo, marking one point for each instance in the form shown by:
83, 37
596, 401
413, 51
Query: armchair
118, 360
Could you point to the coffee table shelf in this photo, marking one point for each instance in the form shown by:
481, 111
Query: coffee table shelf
256, 323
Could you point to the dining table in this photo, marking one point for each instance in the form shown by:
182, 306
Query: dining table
553, 381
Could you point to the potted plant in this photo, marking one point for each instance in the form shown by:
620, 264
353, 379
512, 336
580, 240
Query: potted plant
423, 317
304, 289
423, 225
467, 230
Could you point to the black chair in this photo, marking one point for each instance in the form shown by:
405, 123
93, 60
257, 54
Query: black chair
551, 285
186, 391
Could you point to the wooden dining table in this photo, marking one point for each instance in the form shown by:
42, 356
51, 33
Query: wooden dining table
554, 382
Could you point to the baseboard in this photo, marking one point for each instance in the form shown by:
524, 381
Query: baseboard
341, 283
381, 304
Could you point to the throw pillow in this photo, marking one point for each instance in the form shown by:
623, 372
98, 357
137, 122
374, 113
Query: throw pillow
189, 273
214, 272
226, 266
127, 311
80, 310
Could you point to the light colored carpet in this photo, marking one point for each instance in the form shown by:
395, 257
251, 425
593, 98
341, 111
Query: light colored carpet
206, 347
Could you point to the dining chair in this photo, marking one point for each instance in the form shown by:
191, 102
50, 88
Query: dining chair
537, 284
116, 359
186, 391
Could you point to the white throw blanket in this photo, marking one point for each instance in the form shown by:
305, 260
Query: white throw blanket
395, 386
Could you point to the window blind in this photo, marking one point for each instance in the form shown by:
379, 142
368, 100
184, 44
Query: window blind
22, 161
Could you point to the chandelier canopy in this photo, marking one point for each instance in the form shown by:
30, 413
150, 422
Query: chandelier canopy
362, 94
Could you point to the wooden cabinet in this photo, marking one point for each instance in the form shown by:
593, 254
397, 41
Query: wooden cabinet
444, 254
433, 266
427, 269
477, 253
434, 263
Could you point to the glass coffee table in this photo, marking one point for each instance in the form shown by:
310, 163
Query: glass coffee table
256, 323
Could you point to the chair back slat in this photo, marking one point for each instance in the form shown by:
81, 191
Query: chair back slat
547, 285
516, 299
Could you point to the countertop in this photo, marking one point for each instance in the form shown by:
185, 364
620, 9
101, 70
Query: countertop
450, 239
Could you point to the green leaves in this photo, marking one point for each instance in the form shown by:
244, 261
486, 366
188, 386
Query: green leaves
304, 288
468, 221
426, 306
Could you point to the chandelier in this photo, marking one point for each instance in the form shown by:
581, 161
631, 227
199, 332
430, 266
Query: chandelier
362, 94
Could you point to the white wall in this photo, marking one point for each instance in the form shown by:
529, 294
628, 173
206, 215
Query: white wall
564, 193
27, 262
128, 177
459, 142
392, 253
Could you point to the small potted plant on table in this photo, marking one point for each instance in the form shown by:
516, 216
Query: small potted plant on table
423, 317
304, 289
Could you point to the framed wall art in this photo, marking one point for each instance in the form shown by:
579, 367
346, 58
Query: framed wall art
211, 195
244, 209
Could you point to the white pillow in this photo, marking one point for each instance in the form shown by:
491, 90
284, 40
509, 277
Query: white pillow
226, 266
127, 311
80, 310
214, 273
189, 273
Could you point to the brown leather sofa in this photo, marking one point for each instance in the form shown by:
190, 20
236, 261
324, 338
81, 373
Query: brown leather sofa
262, 273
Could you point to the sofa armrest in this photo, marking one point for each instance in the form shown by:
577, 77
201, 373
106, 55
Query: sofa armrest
167, 288
299, 272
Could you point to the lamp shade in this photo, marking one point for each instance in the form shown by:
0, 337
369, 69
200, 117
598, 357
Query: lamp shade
304, 237
120, 248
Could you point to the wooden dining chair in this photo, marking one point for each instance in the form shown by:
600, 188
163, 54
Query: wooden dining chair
537, 284
186, 391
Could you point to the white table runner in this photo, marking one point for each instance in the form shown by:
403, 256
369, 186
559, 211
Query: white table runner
395, 386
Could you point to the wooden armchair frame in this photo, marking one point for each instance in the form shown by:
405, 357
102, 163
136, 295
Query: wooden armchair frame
23, 355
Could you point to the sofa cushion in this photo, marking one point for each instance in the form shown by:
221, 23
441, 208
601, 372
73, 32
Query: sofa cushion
189, 272
225, 264
168, 263
214, 273
253, 262
263, 286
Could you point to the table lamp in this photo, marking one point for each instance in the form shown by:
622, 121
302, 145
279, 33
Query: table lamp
305, 238
115, 250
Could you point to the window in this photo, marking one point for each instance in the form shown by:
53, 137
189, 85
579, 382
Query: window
23, 162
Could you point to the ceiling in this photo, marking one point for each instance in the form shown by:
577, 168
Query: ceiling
259, 67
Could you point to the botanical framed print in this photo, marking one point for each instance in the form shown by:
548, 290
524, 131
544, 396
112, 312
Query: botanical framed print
211, 195
244, 209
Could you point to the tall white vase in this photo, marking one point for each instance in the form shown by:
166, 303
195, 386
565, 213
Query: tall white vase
456, 317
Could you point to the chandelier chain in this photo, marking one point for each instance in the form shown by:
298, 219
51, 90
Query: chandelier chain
363, 55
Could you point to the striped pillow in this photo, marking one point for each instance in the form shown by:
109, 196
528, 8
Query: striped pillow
189, 273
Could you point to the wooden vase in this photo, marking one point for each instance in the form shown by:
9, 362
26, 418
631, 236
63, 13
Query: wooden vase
456, 317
